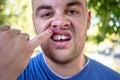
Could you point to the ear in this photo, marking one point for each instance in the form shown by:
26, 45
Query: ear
88, 18
34, 25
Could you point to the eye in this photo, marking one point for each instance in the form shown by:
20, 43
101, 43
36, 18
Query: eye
72, 12
46, 15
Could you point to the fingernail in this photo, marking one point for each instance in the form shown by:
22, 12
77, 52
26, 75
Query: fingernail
50, 30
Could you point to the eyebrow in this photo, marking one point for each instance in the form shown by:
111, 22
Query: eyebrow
73, 3
43, 7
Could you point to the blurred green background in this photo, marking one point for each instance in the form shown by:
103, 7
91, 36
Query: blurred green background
103, 41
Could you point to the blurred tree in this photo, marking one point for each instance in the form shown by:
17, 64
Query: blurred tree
108, 13
2, 12
17, 14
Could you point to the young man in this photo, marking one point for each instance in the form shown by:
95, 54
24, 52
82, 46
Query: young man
61, 26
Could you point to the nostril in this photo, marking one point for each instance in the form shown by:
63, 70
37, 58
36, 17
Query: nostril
66, 25
54, 25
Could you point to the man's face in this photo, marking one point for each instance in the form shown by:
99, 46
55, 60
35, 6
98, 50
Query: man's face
69, 21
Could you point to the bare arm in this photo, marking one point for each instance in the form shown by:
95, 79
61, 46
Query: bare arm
16, 50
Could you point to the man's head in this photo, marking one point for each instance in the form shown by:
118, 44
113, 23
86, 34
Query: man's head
34, 3
69, 20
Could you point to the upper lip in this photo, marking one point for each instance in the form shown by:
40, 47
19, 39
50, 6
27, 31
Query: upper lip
60, 32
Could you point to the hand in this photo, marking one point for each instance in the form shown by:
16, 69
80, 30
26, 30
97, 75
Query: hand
16, 50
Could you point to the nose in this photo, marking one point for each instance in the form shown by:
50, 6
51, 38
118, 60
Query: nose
60, 22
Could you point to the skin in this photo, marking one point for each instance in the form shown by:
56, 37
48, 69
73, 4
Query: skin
16, 50
64, 59
67, 16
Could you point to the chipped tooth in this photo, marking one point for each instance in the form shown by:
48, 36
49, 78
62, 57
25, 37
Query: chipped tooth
66, 37
55, 37
60, 37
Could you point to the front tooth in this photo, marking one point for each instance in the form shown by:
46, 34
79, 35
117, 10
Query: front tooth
60, 37
63, 37
57, 37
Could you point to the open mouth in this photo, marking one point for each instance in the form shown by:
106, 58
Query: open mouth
57, 37
61, 39
60, 35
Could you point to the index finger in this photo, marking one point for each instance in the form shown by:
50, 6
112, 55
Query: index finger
40, 38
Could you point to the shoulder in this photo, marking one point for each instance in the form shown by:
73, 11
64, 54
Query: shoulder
103, 70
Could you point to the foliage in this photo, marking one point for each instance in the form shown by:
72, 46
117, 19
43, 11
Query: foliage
17, 14
108, 12
2, 7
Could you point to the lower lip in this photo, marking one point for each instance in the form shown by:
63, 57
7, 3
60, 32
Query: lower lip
60, 44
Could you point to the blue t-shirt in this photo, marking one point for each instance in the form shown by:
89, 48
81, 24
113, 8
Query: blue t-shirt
37, 69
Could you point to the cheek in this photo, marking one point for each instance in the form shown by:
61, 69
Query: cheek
80, 30
41, 26
80, 26
79, 22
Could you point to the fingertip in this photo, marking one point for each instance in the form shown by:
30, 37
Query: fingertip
50, 30
40, 38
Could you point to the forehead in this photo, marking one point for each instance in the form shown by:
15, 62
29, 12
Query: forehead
55, 3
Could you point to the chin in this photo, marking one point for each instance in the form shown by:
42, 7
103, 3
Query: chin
61, 56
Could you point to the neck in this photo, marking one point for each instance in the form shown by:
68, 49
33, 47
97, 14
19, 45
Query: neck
67, 70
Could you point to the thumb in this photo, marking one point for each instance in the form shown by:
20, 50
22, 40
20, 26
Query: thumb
40, 38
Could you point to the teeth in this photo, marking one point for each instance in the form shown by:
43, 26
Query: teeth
60, 37
63, 37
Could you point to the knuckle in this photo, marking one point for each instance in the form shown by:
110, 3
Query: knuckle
25, 36
4, 27
14, 31
17, 30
